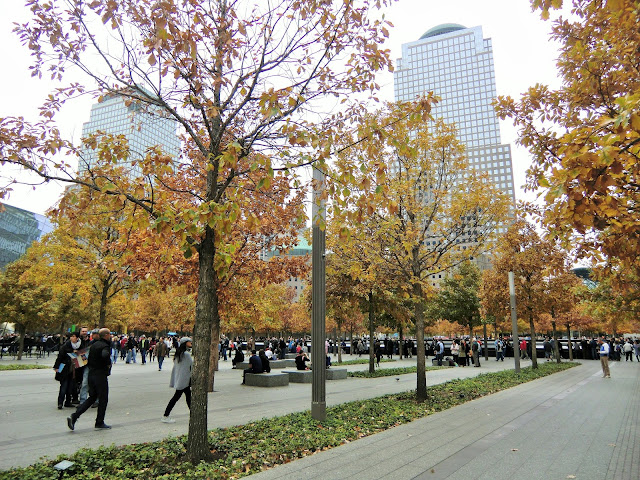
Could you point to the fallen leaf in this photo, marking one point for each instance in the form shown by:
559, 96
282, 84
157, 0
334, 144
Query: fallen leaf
514, 449
571, 476
612, 444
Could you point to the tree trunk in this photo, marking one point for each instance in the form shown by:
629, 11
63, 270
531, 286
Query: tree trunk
339, 345
569, 343
206, 315
534, 353
104, 298
556, 347
21, 330
484, 342
213, 354
470, 329
351, 341
421, 380
372, 355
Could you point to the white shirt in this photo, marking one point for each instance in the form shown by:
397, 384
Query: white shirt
604, 349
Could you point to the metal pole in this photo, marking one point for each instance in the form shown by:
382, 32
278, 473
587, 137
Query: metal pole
318, 297
514, 323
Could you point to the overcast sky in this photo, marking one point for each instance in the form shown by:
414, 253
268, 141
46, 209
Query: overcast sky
523, 56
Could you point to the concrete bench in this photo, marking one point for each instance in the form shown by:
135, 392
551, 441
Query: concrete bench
306, 376
336, 373
299, 376
267, 379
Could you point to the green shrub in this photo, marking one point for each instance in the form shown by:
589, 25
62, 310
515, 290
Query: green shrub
23, 366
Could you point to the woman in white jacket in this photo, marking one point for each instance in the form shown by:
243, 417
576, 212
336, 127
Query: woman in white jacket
180, 377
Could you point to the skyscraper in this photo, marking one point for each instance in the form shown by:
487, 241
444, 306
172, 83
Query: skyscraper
456, 63
143, 126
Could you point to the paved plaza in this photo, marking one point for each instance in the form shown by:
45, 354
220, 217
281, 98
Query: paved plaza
574, 424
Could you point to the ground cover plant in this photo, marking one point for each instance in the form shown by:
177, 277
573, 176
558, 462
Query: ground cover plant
250, 448
389, 372
362, 361
14, 366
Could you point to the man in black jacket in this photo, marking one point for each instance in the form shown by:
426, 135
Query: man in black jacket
99, 369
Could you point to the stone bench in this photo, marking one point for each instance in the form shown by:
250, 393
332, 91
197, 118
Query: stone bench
299, 376
267, 379
336, 373
306, 376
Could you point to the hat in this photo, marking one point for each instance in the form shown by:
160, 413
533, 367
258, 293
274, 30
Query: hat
184, 340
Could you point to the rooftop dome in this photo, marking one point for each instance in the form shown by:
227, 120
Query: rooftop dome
442, 29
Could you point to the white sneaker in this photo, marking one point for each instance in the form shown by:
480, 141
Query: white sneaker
168, 420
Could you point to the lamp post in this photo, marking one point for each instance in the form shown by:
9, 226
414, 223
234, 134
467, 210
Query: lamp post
318, 298
514, 323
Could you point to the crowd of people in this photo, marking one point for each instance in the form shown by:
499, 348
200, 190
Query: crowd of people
84, 357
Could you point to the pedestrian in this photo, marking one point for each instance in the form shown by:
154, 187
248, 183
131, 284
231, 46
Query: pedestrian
628, 350
439, 351
475, 352
180, 377
523, 349
546, 345
636, 348
455, 350
144, 348
161, 351
500, 347
65, 372
604, 358
99, 365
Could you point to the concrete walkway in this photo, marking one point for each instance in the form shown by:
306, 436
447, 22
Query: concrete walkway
531, 428
574, 424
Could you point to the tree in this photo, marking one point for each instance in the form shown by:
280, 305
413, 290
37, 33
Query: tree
241, 80
356, 265
27, 304
534, 261
458, 298
585, 136
102, 234
427, 222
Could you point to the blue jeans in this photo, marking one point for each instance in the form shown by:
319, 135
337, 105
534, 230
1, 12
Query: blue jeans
160, 360
84, 389
143, 353
114, 355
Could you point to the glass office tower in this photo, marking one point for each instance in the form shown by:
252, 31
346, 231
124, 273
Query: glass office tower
456, 63
143, 126
18, 230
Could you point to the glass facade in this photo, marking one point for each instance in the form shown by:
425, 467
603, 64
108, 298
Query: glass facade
456, 63
18, 230
143, 127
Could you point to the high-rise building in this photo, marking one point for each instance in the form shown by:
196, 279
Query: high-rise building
18, 230
142, 125
456, 63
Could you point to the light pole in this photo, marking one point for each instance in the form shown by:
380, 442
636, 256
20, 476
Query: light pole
514, 323
318, 298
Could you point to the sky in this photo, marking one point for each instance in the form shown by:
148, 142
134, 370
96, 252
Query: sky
523, 56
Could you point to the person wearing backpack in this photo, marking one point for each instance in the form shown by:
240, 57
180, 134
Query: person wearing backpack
499, 349
475, 352
439, 352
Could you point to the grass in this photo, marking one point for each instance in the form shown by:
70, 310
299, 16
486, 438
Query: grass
25, 366
250, 448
